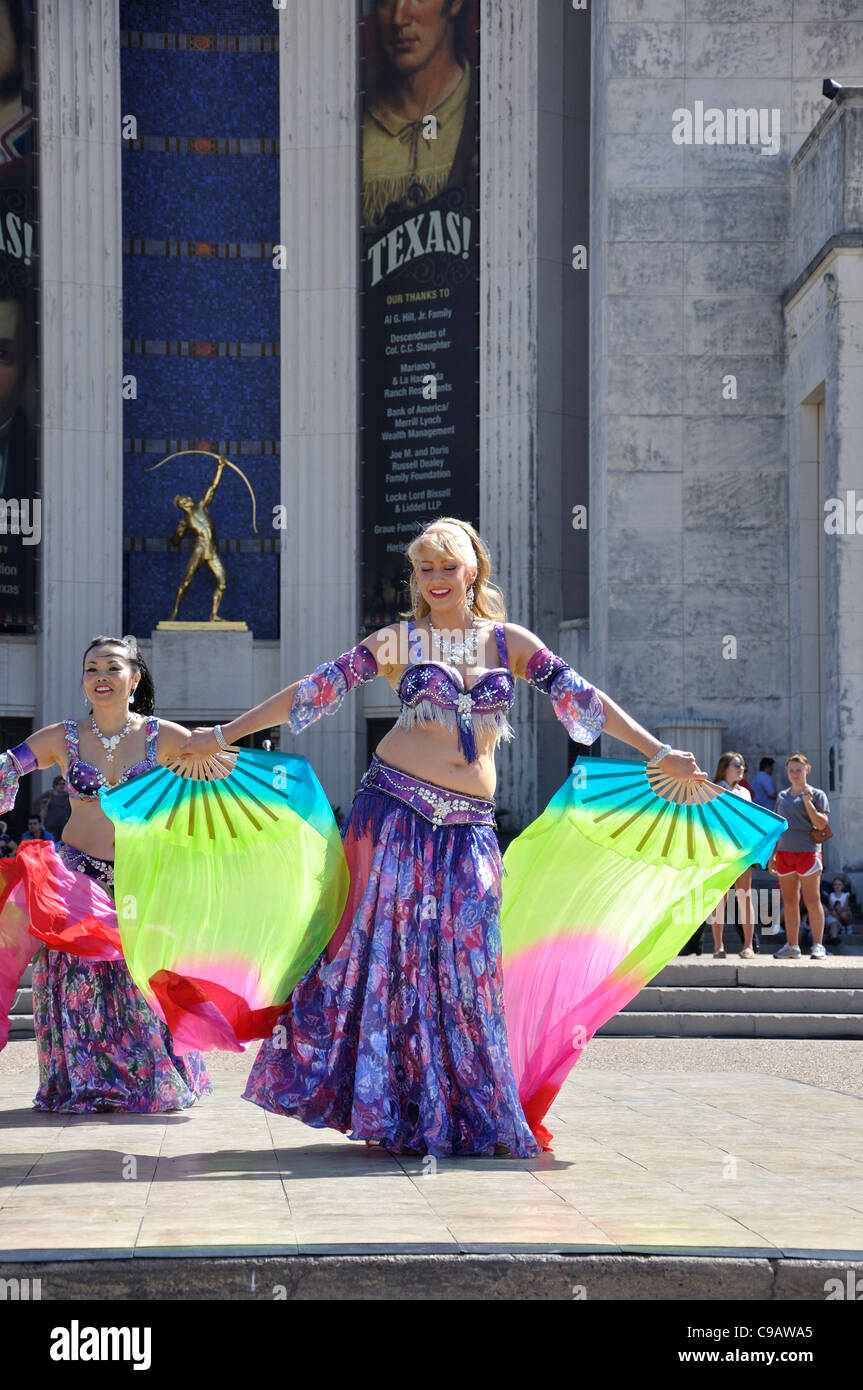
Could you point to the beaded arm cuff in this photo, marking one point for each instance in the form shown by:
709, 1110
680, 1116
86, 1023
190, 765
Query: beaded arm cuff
13, 766
323, 690
575, 701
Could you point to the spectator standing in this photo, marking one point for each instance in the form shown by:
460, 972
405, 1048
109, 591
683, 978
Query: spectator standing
763, 786
729, 773
55, 808
797, 857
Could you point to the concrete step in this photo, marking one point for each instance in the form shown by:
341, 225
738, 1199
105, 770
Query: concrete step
746, 999
23, 1002
704, 1024
21, 1026
835, 972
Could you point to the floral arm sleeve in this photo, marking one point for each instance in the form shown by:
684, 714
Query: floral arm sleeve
323, 690
14, 765
575, 701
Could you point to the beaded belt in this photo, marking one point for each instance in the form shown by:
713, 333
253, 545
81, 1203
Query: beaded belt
102, 869
440, 805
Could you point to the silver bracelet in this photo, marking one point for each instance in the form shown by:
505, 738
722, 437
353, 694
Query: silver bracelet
220, 738
659, 755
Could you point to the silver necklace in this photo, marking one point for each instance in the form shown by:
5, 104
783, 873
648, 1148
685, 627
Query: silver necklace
109, 744
456, 653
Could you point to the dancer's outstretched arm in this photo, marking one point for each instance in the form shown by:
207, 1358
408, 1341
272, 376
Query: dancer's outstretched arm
583, 709
39, 750
303, 702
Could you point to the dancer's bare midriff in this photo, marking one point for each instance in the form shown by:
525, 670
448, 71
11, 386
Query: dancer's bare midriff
433, 754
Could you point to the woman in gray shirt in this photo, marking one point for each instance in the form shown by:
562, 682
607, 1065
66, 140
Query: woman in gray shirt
797, 857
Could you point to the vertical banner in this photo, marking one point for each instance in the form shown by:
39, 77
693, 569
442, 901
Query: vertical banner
419, 311
20, 505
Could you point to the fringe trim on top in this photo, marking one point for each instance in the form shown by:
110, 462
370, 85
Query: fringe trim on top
379, 193
429, 713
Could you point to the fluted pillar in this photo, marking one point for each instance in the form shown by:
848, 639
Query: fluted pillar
508, 390
81, 338
319, 306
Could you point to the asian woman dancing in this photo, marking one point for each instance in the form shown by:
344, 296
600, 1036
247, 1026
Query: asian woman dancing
100, 1047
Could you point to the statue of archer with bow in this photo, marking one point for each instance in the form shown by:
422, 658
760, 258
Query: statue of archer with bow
196, 520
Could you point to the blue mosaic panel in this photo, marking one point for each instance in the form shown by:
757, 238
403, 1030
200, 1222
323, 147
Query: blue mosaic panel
201, 94
181, 311
209, 399
196, 299
200, 16
206, 197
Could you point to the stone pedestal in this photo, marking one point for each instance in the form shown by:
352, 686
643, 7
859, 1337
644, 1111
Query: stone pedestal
209, 671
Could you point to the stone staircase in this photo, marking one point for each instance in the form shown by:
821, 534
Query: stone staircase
21, 1013
699, 997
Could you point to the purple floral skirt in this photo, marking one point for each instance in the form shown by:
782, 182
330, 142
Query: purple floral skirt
400, 1036
100, 1046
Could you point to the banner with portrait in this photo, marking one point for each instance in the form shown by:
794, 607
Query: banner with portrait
419, 315
20, 504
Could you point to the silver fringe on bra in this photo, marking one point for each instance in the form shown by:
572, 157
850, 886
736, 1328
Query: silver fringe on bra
494, 720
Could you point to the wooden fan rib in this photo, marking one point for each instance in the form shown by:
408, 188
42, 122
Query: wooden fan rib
615, 810
707, 831
654, 823
224, 810
261, 805
208, 815
242, 805
181, 792
671, 829
634, 817
243, 773
603, 796
727, 828
149, 812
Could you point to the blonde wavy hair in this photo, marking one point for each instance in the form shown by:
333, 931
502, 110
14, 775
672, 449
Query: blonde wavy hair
457, 540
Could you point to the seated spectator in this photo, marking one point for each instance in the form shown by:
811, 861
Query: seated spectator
7, 844
839, 905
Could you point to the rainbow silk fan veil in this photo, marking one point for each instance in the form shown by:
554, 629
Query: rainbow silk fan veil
229, 880
599, 894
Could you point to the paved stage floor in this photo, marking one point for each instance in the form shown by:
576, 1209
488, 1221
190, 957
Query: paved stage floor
698, 1161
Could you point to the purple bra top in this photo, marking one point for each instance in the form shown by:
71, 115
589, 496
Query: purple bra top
84, 781
431, 691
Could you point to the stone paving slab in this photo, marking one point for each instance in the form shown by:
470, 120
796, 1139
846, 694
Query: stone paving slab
713, 1164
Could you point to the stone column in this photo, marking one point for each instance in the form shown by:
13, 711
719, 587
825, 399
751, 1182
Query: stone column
319, 379
530, 450
81, 338
509, 121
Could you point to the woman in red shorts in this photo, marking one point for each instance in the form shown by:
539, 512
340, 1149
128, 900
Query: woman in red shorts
797, 857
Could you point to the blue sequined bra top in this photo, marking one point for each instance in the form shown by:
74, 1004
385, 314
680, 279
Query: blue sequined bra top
84, 781
432, 692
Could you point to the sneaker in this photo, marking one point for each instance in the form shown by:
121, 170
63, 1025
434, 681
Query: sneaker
788, 952
747, 953
818, 952
719, 955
